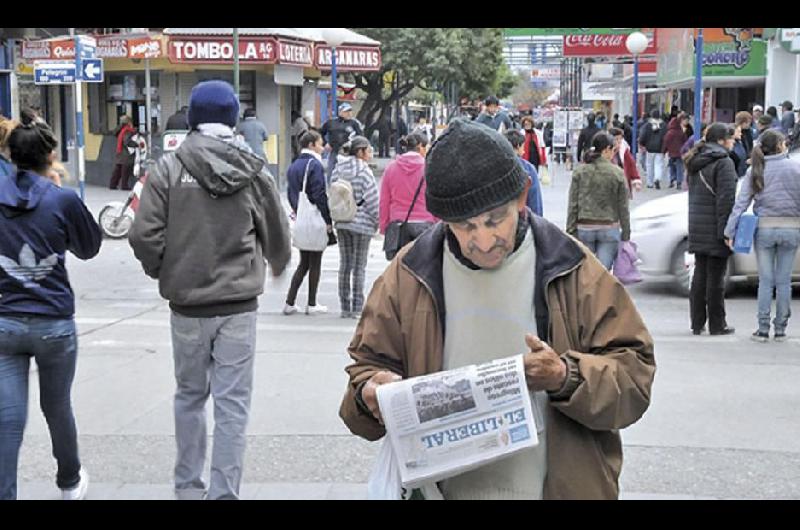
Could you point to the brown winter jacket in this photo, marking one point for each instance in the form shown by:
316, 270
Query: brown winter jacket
586, 315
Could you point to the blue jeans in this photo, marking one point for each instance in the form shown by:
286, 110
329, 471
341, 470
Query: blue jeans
655, 168
676, 171
603, 242
53, 344
775, 251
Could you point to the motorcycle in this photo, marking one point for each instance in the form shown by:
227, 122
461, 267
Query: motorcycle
116, 217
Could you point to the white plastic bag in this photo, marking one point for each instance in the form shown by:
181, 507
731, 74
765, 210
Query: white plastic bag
384, 480
310, 231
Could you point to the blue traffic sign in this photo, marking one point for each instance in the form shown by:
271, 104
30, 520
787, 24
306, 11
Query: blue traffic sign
92, 70
52, 73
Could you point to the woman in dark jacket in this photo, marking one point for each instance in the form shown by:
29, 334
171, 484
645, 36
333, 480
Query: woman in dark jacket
311, 145
673, 141
712, 190
39, 223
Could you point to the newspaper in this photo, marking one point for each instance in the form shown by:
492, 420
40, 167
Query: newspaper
447, 423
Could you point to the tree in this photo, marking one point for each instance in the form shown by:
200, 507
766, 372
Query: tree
431, 59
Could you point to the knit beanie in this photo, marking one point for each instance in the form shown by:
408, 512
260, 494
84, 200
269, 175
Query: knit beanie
213, 102
469, 170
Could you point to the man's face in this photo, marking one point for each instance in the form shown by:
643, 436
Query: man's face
346, 114
491, 109
488, 239
757, 114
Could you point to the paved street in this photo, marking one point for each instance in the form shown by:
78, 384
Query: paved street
722, 422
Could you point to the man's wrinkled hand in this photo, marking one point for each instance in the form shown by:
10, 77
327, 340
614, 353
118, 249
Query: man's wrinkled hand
369, 393
544, 369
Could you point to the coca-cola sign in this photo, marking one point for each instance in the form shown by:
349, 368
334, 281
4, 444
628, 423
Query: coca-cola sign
602, 45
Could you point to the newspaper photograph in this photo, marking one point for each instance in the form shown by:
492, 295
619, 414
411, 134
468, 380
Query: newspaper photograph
444, 424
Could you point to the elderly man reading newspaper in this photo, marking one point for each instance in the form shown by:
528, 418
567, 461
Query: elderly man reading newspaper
493, 280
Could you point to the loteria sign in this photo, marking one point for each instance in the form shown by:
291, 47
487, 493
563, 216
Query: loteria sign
357, 58
602, 45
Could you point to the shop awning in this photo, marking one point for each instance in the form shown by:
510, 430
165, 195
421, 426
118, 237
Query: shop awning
290, 46
127, 45
719, 81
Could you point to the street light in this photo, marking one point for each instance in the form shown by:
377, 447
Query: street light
636, 43
334, 37
698, 84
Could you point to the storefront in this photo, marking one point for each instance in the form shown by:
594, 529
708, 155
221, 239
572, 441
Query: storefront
279, 72
734, 69
783, 66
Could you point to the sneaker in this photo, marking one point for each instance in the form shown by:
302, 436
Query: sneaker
290, 309
780, 336
698, 331
650, 186
78, 493
346, 314
760, 336
658, 185
355, 315
672, 185
316, 309
724, 331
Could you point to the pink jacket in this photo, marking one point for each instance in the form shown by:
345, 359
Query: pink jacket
398, 185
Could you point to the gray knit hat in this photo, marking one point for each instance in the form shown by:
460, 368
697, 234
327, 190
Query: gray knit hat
469, 170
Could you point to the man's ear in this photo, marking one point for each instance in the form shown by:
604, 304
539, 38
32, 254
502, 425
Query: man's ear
522, 201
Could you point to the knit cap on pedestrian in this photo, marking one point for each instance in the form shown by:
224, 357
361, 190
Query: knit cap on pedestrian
213, 102
470, 170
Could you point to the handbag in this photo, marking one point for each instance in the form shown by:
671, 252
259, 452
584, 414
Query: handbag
401, 233
745, 232
310, 231
625, 265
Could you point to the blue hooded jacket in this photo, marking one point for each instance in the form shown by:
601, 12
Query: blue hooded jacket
534, 200
39, 222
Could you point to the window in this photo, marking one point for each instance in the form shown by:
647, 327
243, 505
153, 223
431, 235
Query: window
123, 94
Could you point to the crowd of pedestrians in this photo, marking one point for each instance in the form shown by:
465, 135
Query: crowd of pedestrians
470, 200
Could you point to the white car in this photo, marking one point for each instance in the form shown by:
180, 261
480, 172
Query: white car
660, 229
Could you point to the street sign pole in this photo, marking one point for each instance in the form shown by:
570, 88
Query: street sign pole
78, 89
147, 109
698, 85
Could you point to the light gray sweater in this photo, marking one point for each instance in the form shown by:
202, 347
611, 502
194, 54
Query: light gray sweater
779, 198
359, 175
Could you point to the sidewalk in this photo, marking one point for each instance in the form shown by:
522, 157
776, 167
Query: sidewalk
285, 491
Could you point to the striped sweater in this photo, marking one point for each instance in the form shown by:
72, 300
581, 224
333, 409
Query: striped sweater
359, 175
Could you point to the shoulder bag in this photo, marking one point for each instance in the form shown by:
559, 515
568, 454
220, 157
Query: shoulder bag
310, 231
401, 233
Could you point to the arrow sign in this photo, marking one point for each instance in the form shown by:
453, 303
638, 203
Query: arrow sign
92, 70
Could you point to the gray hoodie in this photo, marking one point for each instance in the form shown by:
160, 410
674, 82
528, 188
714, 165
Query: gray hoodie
780, 196
210, 214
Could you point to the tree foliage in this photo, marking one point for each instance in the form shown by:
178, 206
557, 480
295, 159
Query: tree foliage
432, 60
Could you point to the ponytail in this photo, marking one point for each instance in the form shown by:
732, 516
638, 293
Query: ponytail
757, 168
600, 142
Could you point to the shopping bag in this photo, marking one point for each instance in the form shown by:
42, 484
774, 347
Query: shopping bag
384, 480
544, 176
745, 232
310, 231
625, 266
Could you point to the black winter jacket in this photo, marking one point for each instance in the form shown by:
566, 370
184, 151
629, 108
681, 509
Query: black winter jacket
709, 209
652, 135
